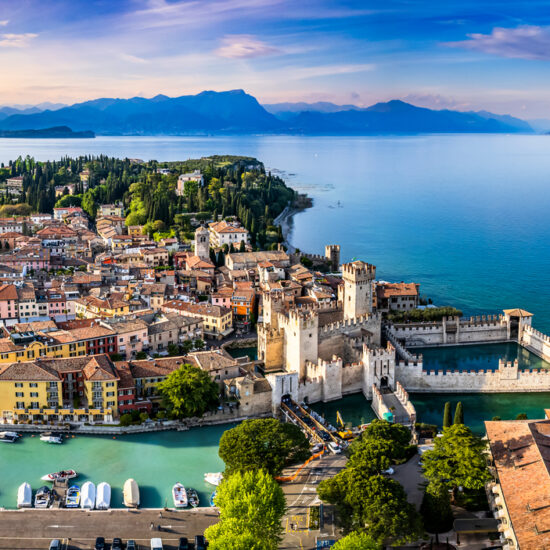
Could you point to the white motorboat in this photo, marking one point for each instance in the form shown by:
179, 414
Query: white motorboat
193, 497
87, 497
24, 496
15, 435
63, 474
131, 493
179, 495
43, 497
103, 496
213, 478
8, 437
51, 439
72, 500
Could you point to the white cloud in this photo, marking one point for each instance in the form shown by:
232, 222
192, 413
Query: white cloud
4, 22
133, 58
239, 46
12, 40
328, 70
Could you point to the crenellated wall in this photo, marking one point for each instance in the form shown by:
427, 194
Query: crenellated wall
536, 342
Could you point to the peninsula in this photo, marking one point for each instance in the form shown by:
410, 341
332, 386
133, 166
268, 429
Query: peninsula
46, 133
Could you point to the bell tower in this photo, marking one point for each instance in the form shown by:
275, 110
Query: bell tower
202, 243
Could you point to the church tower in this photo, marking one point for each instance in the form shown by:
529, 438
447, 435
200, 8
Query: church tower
202, 243
357, 293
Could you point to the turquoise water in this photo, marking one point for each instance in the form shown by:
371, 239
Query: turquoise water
353, 408
463, 215
478, 357
251, 352
155, 460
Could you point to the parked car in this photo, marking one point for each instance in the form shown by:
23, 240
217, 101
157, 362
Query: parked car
324, 436
99, 543
117, 544
156, 544
317, 448
390, 471
334, 448
131, 545
55, 544
200, 542
184, 544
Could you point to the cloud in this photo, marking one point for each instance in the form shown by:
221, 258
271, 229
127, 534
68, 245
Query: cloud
300, 73
523, 42
133, 58
244, 46
434, 101
4, 22
16, 40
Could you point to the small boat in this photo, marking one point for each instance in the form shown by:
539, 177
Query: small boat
212, 498
87, 498
192, 497
11, 434
24, 496
131, 493
73, 497
63, 474
52, 437
213, 478
8, 437
103, 496
43, 497
179, 495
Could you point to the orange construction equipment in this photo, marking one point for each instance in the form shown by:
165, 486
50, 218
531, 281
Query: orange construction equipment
295, 475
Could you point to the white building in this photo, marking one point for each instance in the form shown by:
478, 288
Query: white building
195, 176
227, 233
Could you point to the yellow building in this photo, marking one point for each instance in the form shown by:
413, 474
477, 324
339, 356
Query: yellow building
91, 307
217, 320
28, 346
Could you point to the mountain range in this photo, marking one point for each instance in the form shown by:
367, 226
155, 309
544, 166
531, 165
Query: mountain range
236, 112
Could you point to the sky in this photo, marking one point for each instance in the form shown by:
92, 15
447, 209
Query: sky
458, 54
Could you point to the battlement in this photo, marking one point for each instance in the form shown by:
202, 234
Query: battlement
320, 306
380, 353
537, 333
269, 332
304, 319
358, 271
347, 324
482, 321
419, 362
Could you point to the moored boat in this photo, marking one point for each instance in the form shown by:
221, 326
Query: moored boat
51, 437
43, 497
8, 437
72, 499
11, 434
87, 497
213, 478
24, 496
103, 496
179, 495
192, 497
63, 474
212, 499
131, 493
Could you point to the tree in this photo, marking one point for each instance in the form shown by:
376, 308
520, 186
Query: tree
459, 414
447, 415
457, 460
521, 416
198, 343
186, 347
126, 419
189, 391
140, 355
144, 416
436, 508
250, 503
173, 350
242, 246
357, 540
262, 443
391, 439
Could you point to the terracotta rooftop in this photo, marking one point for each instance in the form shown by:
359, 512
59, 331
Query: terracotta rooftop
387, 290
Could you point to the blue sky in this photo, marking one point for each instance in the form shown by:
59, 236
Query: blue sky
492, 55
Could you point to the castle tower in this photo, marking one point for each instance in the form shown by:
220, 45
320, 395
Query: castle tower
202, 243
378, 369
301, 341
357, 292
332, 253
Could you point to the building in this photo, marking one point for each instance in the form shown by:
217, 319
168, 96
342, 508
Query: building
217, 321
90, 307
60, 213
356, 292
111, 210
396, 296
195, 177
218, 363
131, 335
202, 243
224, 233
173, 329
155, 256
9, 303
14, 185
249, 260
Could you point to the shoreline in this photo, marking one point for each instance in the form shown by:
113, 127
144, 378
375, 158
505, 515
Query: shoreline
285, 218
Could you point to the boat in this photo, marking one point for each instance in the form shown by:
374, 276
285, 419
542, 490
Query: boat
43, 497
11, 434
213, 478
192, 497
8, 437
212, 498
52, 437
72, 499
131, 493
63, 474
179, 495
87, 498
24, 496
103, 496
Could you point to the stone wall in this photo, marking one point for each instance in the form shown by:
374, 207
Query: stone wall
536, 342
352, 378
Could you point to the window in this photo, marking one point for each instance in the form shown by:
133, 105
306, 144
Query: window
19, 394
19, 384
34, 394
19, 405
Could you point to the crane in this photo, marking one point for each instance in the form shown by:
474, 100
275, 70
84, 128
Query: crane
343, 433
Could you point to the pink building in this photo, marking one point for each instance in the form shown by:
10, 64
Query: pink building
9, 303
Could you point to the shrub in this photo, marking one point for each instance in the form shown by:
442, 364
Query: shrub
125, 419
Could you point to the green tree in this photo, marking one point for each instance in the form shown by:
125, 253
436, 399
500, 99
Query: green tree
251, 503
447, 419
186, 347
521, 416
457, 459
262, 443
357, 540
188, 391
140, 355
459, 414
173, 350
143, 416
242, 247
198, 343
436, 508
125, 419
393, 438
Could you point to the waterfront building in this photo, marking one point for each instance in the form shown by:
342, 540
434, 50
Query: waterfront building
396, 296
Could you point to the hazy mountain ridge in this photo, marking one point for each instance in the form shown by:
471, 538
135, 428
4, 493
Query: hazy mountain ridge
236, 112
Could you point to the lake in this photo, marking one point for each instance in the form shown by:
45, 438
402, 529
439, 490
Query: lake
466, 216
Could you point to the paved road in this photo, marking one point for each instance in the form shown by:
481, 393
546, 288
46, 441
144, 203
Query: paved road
34, 529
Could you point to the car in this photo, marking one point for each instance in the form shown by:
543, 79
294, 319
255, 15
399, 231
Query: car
117, 544
324, 436
200, 542
317, 448
184, 544
99, 543
55, 544
334, 448
390, 471
156, 544
131, 545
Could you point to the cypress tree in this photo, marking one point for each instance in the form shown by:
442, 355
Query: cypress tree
459, 414
447, 420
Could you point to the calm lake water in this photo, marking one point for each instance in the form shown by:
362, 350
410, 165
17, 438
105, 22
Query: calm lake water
466, 216
155, 460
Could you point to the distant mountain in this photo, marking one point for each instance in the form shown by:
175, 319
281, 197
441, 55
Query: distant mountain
540, 124
235, 112
55, 132
8, 110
